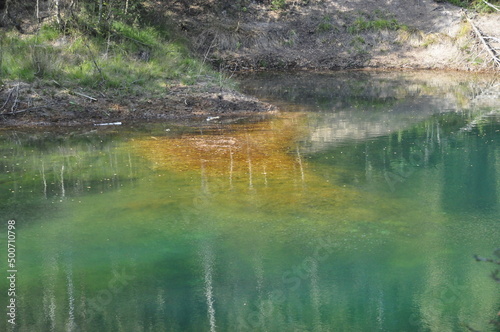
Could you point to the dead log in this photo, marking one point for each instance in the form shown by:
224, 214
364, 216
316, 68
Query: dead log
479, 35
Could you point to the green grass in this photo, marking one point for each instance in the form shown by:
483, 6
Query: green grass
358, 40
127, 58
324, 27
361, 24
477, 5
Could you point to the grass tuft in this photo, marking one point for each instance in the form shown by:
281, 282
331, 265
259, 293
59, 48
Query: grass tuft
361, 24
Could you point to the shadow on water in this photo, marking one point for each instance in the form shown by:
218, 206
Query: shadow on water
357, 209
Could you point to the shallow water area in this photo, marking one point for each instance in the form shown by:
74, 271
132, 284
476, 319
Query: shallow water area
358, 208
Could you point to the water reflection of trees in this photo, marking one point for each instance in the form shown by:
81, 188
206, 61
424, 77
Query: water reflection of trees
371, 91
399, 153
41, 167
232, 258
470, 168
465, 159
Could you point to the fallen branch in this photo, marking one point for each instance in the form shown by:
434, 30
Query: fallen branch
492, 6
479, 35
83, 95
493, 38
27, 109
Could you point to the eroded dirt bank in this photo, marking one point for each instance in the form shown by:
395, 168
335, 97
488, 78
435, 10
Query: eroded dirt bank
326, 34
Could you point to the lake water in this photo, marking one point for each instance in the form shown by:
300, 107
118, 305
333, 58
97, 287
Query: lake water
358, 208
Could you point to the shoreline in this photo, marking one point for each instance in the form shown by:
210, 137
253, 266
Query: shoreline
181, 104
73, 108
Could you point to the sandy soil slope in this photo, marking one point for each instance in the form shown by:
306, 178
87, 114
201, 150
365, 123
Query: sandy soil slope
326, 34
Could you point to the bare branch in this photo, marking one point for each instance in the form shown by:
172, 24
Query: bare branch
492, 6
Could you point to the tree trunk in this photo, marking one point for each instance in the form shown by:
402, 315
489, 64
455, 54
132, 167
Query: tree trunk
58, 11
4, 4
100, 11
37, 8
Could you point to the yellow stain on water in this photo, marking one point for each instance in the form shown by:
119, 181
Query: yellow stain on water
257, 170
264, 148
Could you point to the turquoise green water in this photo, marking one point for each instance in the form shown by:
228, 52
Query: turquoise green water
359, 208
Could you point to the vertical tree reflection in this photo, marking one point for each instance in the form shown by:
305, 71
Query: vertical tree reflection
470, 168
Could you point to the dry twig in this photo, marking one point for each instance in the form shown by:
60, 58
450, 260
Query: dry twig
86, 96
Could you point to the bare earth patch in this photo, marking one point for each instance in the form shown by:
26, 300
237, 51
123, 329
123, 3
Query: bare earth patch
25, 105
